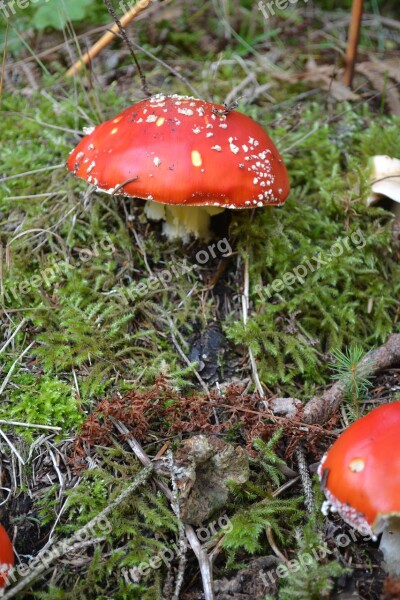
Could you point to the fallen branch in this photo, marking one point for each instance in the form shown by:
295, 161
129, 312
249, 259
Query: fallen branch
320, 408
108, 37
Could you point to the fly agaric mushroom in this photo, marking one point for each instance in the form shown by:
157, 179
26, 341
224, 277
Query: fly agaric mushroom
360, 475
6, 557
190, 159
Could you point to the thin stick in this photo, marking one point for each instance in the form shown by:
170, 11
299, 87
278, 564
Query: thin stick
169, 68
319, 409
128, 43
245, 310
169, 459
31, 425
3, 67
204, 562
352, 44
109, 36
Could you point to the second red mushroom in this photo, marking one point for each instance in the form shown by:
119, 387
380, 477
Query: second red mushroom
360, 476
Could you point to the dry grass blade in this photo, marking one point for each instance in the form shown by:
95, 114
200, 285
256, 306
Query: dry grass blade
245, 310
34, 172
30, 425
10, 372
3, 66
12, 447
10, 339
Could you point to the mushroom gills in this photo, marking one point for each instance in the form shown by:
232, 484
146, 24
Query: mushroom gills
390, 544
180, 222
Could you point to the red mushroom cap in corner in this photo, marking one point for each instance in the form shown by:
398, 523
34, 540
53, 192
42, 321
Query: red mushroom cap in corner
361, 470
182, 151
6, 556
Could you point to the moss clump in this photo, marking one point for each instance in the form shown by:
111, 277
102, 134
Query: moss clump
44, 400
139, 530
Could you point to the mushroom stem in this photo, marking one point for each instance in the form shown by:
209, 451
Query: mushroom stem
390, 546
183, 221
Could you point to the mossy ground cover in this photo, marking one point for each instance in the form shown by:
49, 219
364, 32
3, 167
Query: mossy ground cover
81, 278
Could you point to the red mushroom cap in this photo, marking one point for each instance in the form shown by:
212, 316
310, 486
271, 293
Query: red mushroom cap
178, 150
361, 470
6, 556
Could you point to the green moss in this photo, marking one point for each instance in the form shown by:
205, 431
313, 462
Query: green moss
334, 252
137, 531
43, 400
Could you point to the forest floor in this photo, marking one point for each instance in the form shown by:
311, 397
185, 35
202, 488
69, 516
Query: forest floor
129, 347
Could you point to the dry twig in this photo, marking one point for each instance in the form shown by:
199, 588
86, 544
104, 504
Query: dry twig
321, 408
354, 36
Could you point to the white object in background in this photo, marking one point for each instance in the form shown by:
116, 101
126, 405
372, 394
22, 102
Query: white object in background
385, 179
